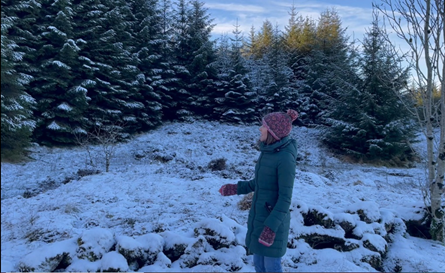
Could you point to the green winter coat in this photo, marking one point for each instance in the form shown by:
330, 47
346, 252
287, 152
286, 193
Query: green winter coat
272, 184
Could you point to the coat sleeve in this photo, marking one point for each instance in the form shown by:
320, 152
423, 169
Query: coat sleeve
244, 187
286, 177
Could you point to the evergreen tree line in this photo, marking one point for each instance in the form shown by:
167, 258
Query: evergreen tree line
70, 66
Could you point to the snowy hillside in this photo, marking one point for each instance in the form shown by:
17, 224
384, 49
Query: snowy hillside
63, 212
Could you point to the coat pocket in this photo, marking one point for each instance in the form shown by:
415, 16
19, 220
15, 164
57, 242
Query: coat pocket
269, 207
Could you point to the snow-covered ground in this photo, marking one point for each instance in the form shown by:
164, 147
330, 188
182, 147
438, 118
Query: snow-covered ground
160, 188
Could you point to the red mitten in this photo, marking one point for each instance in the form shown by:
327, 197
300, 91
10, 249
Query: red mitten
228, 189
267, 237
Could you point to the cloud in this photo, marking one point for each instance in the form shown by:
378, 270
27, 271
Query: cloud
356, 19
223, 28
236, 7
349, 15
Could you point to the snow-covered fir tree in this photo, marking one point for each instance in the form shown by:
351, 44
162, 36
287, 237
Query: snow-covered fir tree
327, 69
236, 100
299, 40
272, 76
148, 45
182, 57
16, 103
260, 75
373, 123
240, 80
24, 32
201, 66
169, 82
61, 100
224, 67
281, 88
107, 64
292, 36
194, 60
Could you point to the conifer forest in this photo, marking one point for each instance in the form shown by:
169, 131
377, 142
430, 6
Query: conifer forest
72, 67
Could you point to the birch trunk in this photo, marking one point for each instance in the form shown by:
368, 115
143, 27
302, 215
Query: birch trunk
420, 23
438, 190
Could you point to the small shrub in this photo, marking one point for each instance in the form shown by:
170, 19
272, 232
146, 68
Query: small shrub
217, 164
29, 193
130, 222
48, 184
246, 202
86, 172
163, 158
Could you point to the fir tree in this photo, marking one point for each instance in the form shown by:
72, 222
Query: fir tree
249, 49
277, 93
292, 36
61, 100
372, 123
235, 100
25, 33
299, 41
224, 68
263, 40
236, 49
149, 45
245, 105
195, 56
181, 58
16, 121
108, 68
202, 67
283, 90
171, 73
328, 70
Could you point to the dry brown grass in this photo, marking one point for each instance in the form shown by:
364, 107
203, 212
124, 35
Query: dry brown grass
246, 202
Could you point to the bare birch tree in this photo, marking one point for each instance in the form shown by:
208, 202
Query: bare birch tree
420, 23
106, 137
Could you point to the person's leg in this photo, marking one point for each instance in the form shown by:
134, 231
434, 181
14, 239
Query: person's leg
272, 264
258, 262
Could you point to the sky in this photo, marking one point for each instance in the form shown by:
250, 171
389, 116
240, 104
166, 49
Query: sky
356, 15
160, 192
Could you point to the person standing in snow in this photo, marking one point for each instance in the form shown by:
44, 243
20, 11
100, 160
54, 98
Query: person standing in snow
269, 216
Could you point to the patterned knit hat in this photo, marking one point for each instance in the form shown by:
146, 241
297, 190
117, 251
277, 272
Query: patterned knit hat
279, 124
